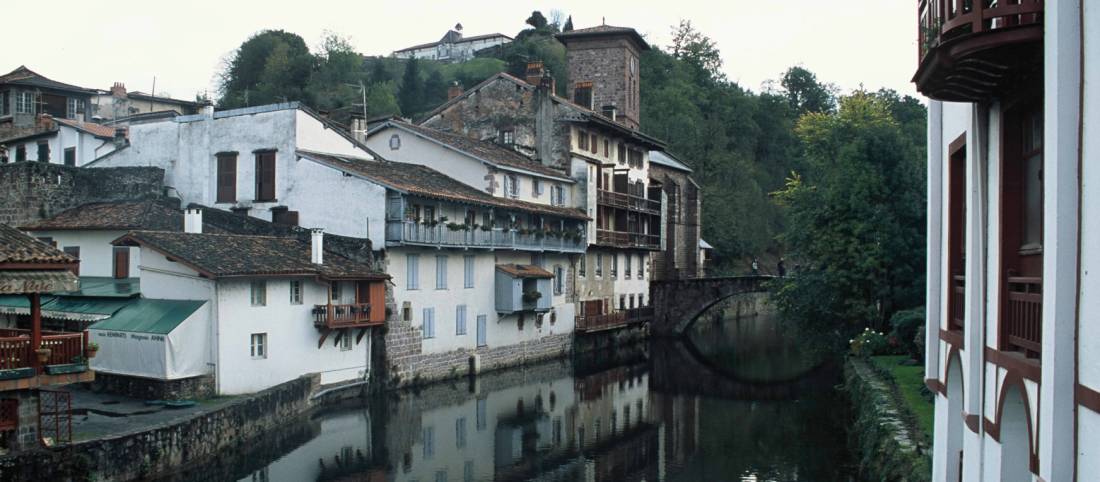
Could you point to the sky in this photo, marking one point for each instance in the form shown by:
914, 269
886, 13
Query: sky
184, 44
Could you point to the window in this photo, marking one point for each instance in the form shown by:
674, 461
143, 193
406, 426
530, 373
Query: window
227, 177
334, 291
259, 293
511, 185
265, 176
412, 271
1032, 235
480, 411
4, 103
622, 153
557, 195
395, 142
295, 292
345, 341
75, 108
258, 348
429, 323
429, 442
594, 146
43, 151
74, 251
460, 320
468, 271
536, 188
559, 279
632, 301
606, 147
582, 94
582, 265
441, 272
406, 311
460, 432
429, 213
24, 103
641, 300
122, 262
599, 265
21, 153
70, 156
614, 266
507, 137
622, 302
626, 268
582, 140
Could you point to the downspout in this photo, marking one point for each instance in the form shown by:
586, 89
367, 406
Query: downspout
217, 340
1080, 206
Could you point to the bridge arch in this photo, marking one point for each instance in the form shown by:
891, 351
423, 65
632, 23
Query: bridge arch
678, 303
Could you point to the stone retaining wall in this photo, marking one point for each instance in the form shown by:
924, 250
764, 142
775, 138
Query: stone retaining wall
30, 191
165, 449
155, 389
886, 449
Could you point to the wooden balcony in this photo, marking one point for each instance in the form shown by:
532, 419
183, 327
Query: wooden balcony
414, 233
1022, 321
628, 201
358, 315
613, 320
622, 239
20, 368
973, 50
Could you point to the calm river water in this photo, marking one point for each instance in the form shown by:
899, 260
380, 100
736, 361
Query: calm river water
735, 402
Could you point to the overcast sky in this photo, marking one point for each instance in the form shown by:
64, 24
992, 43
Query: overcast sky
182, 44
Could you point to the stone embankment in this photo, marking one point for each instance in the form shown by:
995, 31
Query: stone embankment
885, 445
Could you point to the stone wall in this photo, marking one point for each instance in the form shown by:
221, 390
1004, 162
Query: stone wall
680, 258
165, 449
884, 445
155, 389
605, 62
30, 191
407, 365
678, 302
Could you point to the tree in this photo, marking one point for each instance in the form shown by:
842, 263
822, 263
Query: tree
856, 217
697, 50
805, 94
435, 91
411, 95
537, 21
271, 66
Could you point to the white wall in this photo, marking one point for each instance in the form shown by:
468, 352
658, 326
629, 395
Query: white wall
88, 147
96, 251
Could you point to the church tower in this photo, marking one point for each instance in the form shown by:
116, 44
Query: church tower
604, 70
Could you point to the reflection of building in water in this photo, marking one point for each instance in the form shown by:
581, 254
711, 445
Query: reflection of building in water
341, 451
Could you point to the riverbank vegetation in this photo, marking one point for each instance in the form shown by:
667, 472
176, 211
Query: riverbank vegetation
909, 380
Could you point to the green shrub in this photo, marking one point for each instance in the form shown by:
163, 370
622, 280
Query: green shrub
869, 343
907, 325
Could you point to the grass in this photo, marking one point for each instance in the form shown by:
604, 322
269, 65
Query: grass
910, 380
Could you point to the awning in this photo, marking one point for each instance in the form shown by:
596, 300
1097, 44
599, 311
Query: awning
102, 286
82, 309
149, 316
524, 271
44, 281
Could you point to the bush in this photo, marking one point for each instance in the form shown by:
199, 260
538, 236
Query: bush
907, 326
869, 343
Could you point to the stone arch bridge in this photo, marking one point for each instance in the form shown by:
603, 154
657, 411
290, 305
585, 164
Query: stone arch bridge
677, 303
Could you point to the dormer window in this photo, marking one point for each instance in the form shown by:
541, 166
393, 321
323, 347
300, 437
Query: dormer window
24, 103
75, 108
395, 142
507, 137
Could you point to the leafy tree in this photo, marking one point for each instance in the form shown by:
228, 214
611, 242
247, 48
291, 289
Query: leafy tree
536, 20
805, 94
435, 91
382, 99
412, 88
271, 66
697, 50
856, 218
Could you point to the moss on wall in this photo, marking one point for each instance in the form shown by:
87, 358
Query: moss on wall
886, 448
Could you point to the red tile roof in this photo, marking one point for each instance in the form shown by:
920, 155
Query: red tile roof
92, 128
18, 248
121, 215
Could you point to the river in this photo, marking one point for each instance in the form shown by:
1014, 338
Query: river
735, 401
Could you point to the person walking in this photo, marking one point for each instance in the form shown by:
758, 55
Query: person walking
755, 267
781, 268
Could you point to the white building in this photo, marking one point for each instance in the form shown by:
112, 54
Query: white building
60, 141
453, 47
1012, 347
118, 104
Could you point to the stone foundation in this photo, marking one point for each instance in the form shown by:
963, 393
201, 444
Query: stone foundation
886, 448
153, 389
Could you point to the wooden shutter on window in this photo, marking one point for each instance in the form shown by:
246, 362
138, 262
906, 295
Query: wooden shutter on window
227, 178
122, 263
265, 176
378, 301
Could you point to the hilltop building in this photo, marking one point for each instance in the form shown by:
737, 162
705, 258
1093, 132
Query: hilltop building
454, 47
1013, 351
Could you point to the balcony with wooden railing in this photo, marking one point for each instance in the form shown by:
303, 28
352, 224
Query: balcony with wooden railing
628, 201
613, 320
972, 50
1022, 320
623, 239
420, 234
356, 315
958, 303
68, 354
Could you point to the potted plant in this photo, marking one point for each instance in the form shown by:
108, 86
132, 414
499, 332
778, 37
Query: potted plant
486, 227
93, 347
531, 296
43, 354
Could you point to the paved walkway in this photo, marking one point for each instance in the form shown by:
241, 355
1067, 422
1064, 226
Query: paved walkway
101, 415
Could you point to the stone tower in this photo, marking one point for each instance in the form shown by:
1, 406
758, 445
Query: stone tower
604, 69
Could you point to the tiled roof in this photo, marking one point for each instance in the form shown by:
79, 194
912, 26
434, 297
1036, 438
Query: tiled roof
17, 247
120, 215
8, 134
425, 181
24, 76
483, 150
601, 30
524, 271
222, 255
450, 37
92, 128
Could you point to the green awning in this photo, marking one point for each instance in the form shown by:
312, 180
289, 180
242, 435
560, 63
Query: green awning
17, 304
82, 308
149, 316
105, 287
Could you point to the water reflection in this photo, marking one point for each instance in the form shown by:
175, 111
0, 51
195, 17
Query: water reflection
655, 413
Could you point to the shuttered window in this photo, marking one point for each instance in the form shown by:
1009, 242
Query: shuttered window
265, 176
122, 262
429, 323
412, 273
441, 272
460, 320
227, 177
468, 271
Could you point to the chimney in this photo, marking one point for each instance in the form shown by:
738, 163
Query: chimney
192, 221
611, 112
208, 111
454, 91
118, 90
43, 121
317, 246
547, 82
120, 136
534, 72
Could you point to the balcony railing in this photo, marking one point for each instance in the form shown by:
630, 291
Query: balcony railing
412, 232
1022, 326
627, 201
967, 71
16, 351
621, 239
615, 319
958, 302
344, 316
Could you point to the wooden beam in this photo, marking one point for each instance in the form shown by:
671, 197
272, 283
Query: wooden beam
359, 338
324, 334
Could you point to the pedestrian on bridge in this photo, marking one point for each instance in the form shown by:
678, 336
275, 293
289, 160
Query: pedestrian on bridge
781, 268
755, 267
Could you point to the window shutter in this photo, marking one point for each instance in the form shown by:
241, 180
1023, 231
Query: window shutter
122, 263
265, 176
227, 178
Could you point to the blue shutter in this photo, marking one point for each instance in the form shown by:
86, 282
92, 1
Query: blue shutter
412, 275
460, 320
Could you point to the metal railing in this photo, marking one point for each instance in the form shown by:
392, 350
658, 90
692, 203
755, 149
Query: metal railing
412, 232
343, 316
1022, 325
627, 201
942, 20
615, 319
622, 239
